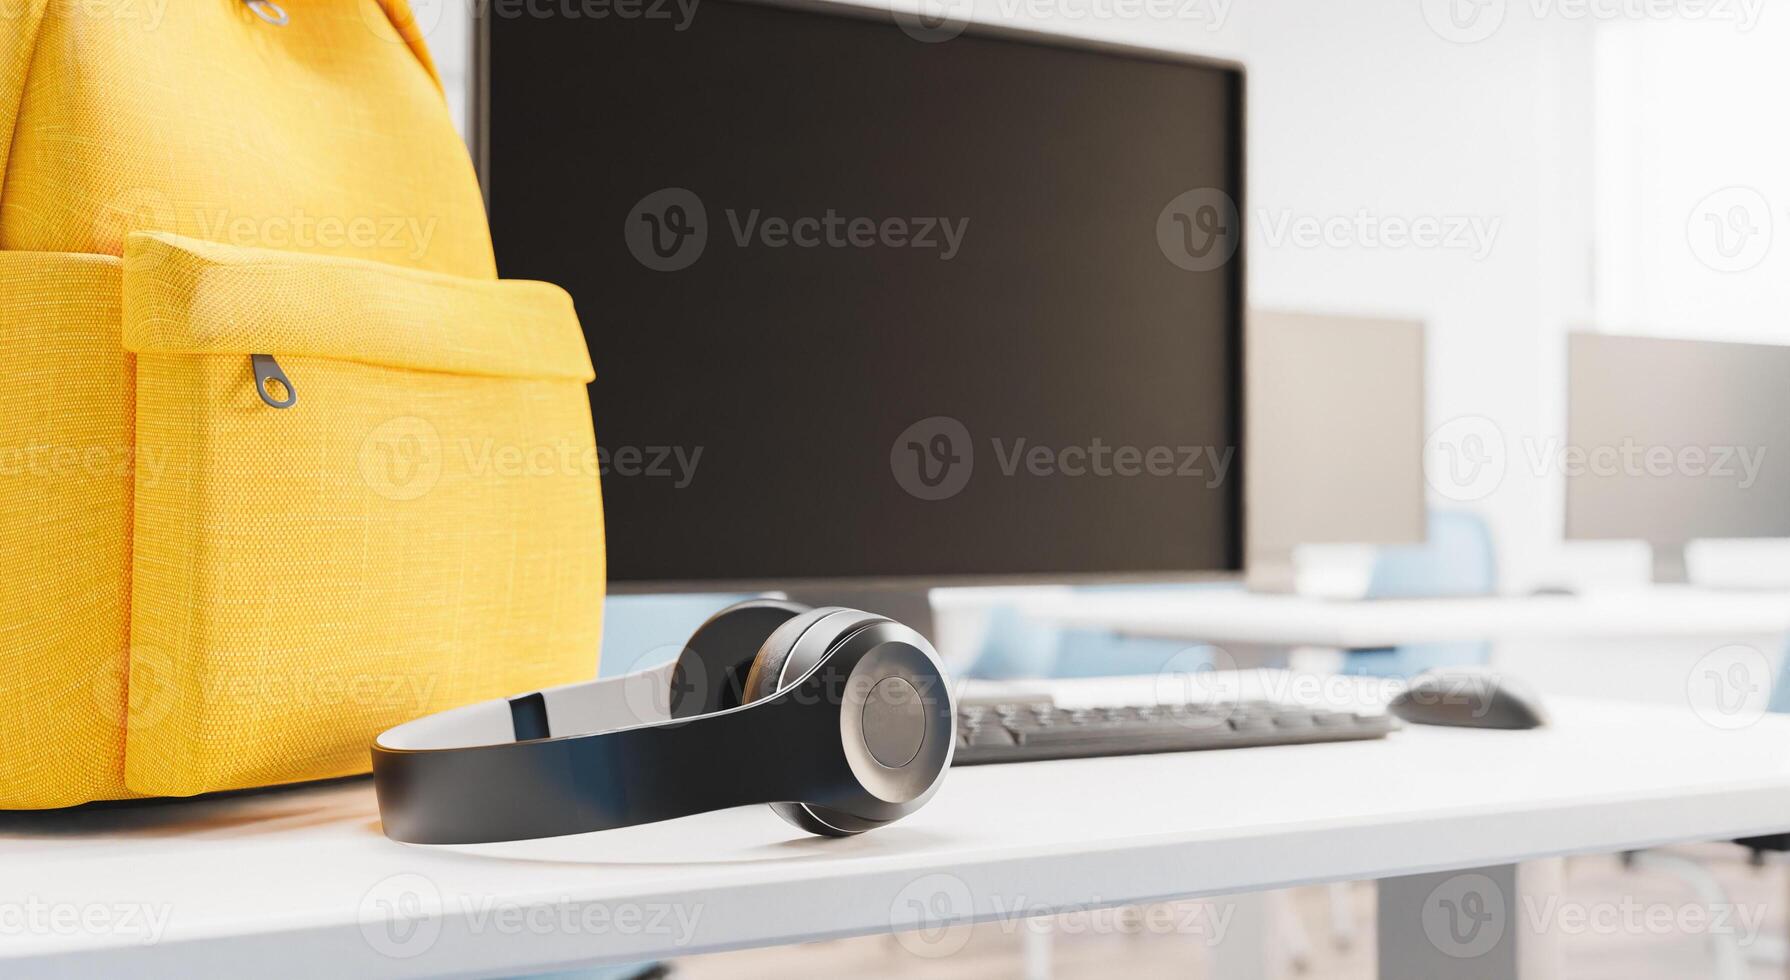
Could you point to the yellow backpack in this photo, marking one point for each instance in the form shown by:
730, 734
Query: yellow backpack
210, 209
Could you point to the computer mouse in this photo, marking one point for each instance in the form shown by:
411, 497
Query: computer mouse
1469, 697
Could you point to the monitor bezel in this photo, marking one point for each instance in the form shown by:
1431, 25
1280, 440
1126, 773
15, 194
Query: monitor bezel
478, 136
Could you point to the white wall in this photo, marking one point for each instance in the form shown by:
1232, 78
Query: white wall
1693, 179
1364, 110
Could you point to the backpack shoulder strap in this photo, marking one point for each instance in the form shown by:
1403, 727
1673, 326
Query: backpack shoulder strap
18, 41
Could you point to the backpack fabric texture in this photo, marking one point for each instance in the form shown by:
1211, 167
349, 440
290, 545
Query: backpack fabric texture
202, 591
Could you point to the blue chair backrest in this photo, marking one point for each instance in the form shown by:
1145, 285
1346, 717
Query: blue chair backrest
1780, 689
641, 631
1018, 646
1457, 559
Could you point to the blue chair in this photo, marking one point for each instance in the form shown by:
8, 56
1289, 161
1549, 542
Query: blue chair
1017, 646
1456, 560
1780, 689
641, 631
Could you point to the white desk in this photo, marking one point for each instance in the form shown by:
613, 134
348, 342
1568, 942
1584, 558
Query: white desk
1246, 618
301, 883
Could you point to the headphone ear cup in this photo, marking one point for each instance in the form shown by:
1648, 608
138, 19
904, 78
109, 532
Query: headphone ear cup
773, 655
792, 651
712, 670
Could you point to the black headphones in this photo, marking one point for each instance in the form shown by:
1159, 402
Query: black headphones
841, 720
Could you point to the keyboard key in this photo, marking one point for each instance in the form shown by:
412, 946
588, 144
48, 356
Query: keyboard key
992, 735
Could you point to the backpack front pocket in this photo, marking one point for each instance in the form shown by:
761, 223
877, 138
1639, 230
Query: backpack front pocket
363, 494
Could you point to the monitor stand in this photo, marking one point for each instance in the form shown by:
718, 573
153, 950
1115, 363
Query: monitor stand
912, 607
1271, 571
1669, 566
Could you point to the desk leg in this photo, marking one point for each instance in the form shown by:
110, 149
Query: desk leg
1475, 924
1263, 938
1242, 953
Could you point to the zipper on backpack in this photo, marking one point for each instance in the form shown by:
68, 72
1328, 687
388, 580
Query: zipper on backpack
269, 11
271, 383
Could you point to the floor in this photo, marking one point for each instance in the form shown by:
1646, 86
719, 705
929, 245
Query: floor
1614, 923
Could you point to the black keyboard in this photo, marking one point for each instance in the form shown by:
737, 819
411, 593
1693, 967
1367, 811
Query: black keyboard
1031, 730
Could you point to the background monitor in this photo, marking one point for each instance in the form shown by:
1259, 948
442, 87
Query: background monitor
866, 309
1335, 436
1671, 441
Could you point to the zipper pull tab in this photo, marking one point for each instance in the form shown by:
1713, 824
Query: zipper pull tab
271, 383
269, 11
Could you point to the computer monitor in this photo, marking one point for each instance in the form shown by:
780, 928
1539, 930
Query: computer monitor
1673, 441
1335, 436
873, 307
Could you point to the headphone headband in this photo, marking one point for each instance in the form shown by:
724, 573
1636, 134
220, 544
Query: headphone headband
473, 789
859, 734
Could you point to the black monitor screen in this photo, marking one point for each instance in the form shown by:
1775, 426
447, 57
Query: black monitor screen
872, 299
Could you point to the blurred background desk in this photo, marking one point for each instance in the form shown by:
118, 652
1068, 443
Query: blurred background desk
1632, 643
